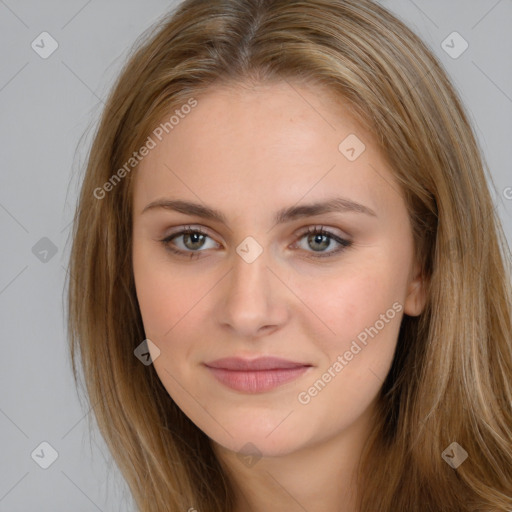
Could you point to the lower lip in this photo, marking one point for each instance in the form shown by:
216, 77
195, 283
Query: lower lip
257, 381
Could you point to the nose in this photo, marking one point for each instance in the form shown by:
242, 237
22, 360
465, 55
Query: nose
252, 301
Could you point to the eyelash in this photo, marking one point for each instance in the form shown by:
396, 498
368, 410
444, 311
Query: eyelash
312, 230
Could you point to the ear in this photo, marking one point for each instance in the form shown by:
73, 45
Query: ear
416, 293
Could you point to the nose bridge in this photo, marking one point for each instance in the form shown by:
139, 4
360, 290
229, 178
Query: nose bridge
249, 277
250, 295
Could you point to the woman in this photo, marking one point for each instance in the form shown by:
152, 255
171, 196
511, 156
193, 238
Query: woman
289, 284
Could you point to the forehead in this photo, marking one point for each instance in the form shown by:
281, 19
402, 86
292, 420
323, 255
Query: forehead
268, 144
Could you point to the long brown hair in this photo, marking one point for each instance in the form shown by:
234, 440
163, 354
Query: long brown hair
451, 377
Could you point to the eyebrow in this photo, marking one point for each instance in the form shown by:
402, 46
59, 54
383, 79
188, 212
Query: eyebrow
337, 204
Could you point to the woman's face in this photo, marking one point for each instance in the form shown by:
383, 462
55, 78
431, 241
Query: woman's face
254, 283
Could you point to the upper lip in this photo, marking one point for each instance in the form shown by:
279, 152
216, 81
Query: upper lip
261, 363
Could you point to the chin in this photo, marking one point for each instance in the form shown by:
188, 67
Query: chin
259, 441
245, 446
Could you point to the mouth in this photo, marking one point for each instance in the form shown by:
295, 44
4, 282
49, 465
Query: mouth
256, 375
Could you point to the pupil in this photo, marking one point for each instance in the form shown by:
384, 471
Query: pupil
318, 240
195, 237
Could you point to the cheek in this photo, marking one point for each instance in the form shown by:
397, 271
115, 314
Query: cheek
163, 296
345, 305
365, 312
360, 314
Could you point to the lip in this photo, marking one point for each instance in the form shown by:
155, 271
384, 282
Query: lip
256, 375
260, 363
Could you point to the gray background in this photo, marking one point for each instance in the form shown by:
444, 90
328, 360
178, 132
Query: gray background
49, 108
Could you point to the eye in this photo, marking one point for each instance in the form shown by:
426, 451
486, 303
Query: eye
319, 238
193, 240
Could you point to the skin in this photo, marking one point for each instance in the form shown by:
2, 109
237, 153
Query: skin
249, 151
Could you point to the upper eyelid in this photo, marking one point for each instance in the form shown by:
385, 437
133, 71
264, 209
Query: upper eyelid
300, 233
